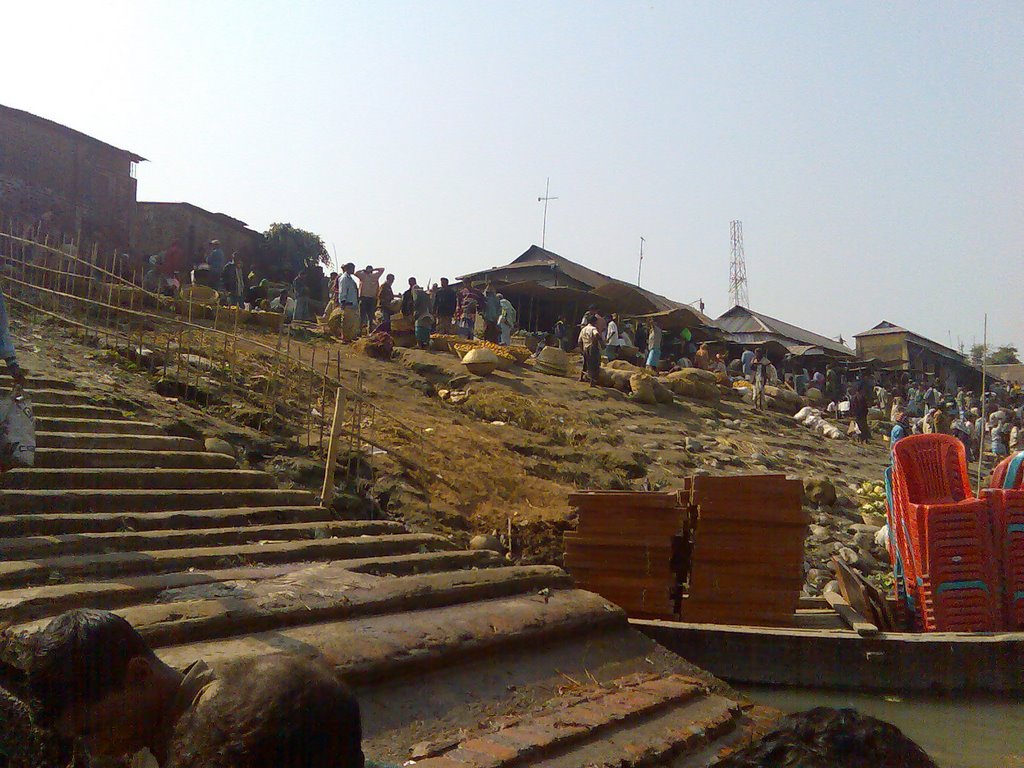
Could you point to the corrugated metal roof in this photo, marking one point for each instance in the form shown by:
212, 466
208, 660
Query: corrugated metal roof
628, 298
885, 327
741, 322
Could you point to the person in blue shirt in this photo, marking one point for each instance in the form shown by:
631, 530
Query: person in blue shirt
216, 261
7, 346
900, 428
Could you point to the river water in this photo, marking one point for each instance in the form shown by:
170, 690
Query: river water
957, 732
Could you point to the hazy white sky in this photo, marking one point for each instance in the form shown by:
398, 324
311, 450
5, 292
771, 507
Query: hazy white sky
873, 151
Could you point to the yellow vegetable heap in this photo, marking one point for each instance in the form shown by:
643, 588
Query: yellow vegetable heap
462, 345
872, 496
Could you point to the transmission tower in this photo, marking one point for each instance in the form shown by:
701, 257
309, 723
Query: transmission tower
738, 295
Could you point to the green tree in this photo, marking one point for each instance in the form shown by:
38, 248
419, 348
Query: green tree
286, 249
1005, 354
977, 353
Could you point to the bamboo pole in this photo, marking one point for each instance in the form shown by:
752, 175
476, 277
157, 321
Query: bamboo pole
327, 492
981, 439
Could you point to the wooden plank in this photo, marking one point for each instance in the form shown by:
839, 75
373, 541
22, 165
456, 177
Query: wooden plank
770, 600
576, 566
853, 618
624, 540
704, 579
773, 548
732, 527
755, 511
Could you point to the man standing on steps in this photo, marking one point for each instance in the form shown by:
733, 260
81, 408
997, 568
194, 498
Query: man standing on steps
7, 346
348, 300
369, 286
96, 679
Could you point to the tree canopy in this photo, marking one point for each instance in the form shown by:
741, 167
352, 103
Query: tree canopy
286, 250
1005, 354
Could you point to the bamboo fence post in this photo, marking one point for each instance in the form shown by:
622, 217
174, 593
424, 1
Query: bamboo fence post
327, 492
323, 402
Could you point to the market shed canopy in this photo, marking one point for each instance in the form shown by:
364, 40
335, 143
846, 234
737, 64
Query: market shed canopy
701, 326
747, 328
557, 286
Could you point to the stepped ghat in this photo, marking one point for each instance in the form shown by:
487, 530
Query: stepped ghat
457, 656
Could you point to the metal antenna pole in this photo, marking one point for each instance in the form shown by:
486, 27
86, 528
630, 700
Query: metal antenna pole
641, 264
738, 295
547, 196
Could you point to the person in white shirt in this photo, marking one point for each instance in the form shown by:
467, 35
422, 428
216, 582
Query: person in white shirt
612, 339
348, 300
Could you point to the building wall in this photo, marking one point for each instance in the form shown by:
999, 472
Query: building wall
157, 225
889, 348
77, 184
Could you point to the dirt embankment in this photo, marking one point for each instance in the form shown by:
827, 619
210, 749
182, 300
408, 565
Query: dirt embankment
502, 453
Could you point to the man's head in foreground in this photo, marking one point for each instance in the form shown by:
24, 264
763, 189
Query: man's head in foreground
831, 738
95, 678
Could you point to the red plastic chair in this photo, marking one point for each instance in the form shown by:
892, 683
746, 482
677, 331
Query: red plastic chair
1002, 468
948, 535
1008, 530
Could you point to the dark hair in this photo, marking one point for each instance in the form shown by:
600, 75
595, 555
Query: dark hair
348, 267
831, 738
281, 711
80, 657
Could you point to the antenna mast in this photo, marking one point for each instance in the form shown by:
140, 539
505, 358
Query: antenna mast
738, 295
545, 199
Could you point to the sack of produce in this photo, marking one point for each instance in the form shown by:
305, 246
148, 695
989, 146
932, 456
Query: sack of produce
642, 386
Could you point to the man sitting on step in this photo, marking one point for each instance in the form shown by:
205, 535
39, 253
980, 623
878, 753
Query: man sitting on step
94, 678
7, 347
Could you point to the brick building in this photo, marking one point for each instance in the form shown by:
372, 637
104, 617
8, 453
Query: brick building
157, 225
64, 181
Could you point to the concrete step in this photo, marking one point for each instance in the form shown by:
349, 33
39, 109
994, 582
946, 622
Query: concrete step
16, 502
27, 547
114, 441
30, 603
98, 522
317, 594
26, 573
132, 479
76, 411
62, 397
379, 648
36, 382
50, 458
629, 721
96, 426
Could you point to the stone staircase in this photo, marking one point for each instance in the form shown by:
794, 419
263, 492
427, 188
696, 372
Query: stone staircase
215, 562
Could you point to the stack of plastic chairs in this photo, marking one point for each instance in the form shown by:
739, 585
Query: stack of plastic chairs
944, 535
905, 609
1006, 494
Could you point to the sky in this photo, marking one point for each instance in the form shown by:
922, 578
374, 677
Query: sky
873, 151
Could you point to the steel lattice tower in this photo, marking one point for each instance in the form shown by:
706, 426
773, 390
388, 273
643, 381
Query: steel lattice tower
738, 295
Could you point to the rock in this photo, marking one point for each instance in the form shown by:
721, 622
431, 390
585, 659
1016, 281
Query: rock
486, 541
864, 528
820, 491
848, 556
693, 445
832, 586
864, 541
216, 445
819, 532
